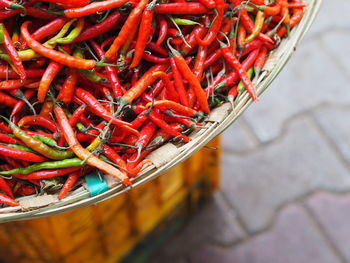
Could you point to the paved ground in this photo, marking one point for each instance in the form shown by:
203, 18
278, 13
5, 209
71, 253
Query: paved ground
285, 195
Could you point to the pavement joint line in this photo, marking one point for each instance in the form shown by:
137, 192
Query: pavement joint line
285, 127
240, 222
330, 142
250, 132
298, 200
227, 205
323, 233
284, 131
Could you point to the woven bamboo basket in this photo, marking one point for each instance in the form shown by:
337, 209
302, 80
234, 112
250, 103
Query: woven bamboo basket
169, 154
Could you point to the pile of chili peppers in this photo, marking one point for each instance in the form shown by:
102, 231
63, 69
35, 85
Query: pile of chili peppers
95, 86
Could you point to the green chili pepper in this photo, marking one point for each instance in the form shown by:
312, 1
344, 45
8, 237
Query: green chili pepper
37, 145
259, 22
73, 34
62, 32
88, 73
92, 76
240, 87
185, 22
73, 162
79, 125
2, 37
48, 141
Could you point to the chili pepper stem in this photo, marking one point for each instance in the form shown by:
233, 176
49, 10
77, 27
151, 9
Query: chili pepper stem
18, 6
257, 72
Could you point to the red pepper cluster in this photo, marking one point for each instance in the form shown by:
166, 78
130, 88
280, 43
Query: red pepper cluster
99, 85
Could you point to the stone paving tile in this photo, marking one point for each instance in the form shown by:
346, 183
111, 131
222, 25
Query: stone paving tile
336, 42
310, 78
216, 223
332, 121
293, 239
333, 213
330, 17
237, 138
300, 162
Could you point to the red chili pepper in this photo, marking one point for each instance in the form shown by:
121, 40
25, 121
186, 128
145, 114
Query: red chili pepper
24, 98
93, 8
40, 13
144, 33
134, 169
154, 59
76, 115
16, 83
269, 10
49, 29
241, 36
7, 100
233, 76
191, 39
69, 3
146, 133
9, 140
46, 109
260, 61
25, 190
84, 154
294, 20
111, 73
11, 5
171, 105
170, 90
4, 199
114, 157
6, 72
5, 188
142, 84
38, 120
139, 120
180, 88
3, 127
56, 56
154, 47
12, 52
208, 3
157, 119
71, 180
216, 25
247, 22
51, 71
284, 12
200, 60
45, 174
123, 34
163, 30
211, 59
99, 110
100, 28
68, 88
187, 8
192, 80
20, 154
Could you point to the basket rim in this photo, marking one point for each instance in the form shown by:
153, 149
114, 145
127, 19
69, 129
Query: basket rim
81, 197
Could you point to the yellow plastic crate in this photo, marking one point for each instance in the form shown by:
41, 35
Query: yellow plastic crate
108, 231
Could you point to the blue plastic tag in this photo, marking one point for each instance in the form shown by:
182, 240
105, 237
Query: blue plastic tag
96, 184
